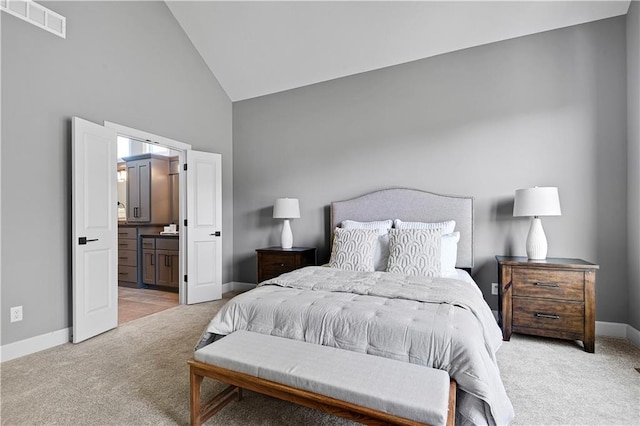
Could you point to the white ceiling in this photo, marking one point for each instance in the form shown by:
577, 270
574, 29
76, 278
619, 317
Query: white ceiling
262, 47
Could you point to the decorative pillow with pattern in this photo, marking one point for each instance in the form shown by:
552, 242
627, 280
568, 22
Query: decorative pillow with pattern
353, 249
415, 251
381, 254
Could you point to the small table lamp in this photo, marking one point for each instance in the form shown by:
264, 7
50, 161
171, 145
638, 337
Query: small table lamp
543, 201
286, 208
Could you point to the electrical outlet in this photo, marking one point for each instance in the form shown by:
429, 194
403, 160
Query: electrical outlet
16, 313
494, 289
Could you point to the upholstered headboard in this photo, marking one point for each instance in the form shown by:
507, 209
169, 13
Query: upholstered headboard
412, 205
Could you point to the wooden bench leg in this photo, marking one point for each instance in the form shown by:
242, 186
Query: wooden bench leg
451, 418
196, 382
200, 413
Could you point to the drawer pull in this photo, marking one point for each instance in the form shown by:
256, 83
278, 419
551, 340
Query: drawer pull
547, 316
547, 284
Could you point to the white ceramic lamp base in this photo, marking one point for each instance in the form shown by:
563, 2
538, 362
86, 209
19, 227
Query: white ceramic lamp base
287, 235
536, 241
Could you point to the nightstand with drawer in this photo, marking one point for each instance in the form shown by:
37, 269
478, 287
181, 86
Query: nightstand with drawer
274, 261
553, 298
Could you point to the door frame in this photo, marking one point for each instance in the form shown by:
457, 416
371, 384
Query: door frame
181, 147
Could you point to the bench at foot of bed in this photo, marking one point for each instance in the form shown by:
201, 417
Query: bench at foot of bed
365, 388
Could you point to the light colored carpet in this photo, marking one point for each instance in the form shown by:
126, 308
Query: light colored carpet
552, 381
137, 375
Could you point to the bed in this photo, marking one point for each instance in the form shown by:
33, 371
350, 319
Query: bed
411, 306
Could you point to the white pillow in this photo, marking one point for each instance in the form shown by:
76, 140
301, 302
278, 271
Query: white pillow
415, 251
449, 253
381, 253
447, 226
353, 249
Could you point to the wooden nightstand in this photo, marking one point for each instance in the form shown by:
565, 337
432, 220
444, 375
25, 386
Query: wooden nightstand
553, 298
273, 261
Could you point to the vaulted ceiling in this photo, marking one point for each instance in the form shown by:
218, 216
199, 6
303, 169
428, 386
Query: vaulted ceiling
261, 47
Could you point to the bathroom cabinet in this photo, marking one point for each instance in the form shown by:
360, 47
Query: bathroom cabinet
148, 189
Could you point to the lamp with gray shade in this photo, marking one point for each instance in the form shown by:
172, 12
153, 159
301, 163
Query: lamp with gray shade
286, 208
536, 202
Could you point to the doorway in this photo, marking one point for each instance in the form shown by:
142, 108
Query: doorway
147, 276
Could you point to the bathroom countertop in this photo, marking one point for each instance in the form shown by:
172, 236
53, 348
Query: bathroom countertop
160, 235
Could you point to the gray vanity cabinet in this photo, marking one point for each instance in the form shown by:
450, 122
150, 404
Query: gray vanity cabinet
148, 189
160, 261
148, 260
168, 267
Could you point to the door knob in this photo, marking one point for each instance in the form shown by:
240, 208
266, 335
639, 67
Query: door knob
83, 240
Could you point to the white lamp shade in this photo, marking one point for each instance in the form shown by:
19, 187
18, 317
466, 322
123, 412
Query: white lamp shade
538, 201
286, 208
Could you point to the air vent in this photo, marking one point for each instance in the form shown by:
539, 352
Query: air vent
37, 15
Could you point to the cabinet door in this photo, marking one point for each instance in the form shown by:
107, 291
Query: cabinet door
139, 191
163, 267
144, 170
149, 266
133, 191
174, 191
175, 268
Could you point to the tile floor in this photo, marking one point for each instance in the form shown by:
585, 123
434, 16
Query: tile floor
134, 303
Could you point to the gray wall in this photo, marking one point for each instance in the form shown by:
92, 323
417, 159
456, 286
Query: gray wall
633, 124
547, 109
126, 62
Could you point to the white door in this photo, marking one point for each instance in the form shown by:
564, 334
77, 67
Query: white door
204, 226
94, 229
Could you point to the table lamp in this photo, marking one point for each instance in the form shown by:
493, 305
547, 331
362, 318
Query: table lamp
286, 208
535, 202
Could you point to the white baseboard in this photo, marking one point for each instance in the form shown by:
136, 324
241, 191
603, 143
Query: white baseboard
34, 344
237, 286
634, 336
611, 329
615, 329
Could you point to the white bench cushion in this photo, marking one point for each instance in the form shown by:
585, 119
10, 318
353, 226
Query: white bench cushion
395, 387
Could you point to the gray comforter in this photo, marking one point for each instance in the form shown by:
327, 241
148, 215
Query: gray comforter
437, 322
